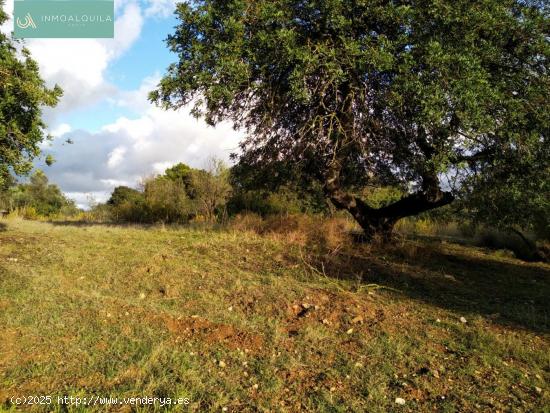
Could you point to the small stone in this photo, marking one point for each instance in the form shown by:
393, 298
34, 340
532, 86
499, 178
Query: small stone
357, 319
350, 331
400, 401
194, 316
224, 409
142, 296
229, 309
463, 320
358, 365
438, 321
538, 376
538, 389
332, 389
326, 322
306, 306
256, 386
126, 313
435, 373
222, 364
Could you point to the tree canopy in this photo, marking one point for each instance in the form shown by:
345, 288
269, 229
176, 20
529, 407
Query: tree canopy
22, 95
416, 94
44, 198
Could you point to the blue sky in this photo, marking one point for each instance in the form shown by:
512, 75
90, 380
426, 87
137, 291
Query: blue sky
119, 137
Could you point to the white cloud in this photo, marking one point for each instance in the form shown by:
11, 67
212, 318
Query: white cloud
116, 157
79, 65
125, 151
161, 8
61, 130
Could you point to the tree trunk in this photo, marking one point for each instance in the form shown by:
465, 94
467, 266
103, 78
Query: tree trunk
378, 223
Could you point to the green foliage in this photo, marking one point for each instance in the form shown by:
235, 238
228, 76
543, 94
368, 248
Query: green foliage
179, 195
166, 200
22, 96
351, 93
515, 194
211, 189
123, 194
184, 174
284, 200
43, 198
381, 196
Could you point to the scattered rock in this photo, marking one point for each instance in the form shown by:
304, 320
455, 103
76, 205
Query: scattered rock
326, 322
438, 321
400, 401
350, 331
142, 296
359, 365
538, 390
463, 320
222, 364
256, 386
435, 373
357, 320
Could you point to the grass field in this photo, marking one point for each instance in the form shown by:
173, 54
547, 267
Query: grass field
236, 321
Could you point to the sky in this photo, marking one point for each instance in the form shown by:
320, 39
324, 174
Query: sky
118, 137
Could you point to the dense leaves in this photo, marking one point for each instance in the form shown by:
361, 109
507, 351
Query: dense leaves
180, 194
22, 96
415, 94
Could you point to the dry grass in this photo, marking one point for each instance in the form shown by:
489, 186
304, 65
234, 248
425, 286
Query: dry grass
284, 315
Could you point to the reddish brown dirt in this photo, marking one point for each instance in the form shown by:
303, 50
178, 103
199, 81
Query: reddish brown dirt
213, 333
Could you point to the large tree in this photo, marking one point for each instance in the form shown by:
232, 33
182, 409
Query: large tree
415, 94
22, 96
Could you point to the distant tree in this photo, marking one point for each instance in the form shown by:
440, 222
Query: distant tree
184, 174
351, 92
45, 198
166, 201
212, 188
22, 96
513, 196
123, 194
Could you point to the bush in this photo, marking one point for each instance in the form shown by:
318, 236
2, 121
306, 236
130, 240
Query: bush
37, 199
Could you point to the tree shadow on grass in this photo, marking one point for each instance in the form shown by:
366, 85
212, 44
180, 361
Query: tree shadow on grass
461, 279
84, 224
137, 225
3, 227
